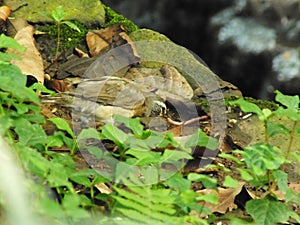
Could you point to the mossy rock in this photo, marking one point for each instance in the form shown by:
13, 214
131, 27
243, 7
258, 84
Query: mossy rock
85, 11
147, 34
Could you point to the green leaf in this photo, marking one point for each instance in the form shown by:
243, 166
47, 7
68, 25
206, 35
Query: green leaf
230, 157
209, 198
175, 155
8, 42
13, 81
114, 134
269, 212
247, 107
42, 88
230, 182
96, 151
282, 179
72, 25
144, 157
199, 138
54, 141
290, 113
178, 183
208, 182
88, 133
133, 123
245, 174
260, 158
62, 125
291, 102
6, 57
276, 128
29, 134
58, 14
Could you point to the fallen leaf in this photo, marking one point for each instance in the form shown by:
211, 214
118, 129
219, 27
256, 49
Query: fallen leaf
102, 187
32, 62
226, 198
5, 12
100, 40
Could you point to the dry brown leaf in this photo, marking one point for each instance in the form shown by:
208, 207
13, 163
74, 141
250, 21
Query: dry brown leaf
5, 12
226, 198
100, 40
102, 187
32, 62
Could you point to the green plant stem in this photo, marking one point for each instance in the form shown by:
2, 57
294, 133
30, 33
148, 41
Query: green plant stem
291, 140
58, 39
266, 132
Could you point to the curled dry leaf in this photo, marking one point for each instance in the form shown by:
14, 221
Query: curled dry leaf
5, 12
226, 198
32, 62
100, 40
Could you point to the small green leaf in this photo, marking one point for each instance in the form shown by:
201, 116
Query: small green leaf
29, 134
175, 155
230, 182
133, 123
54, 141
94, 150
178, 183
245, 174
282, 179
8, 42
231, 157
207, 181
209, 198
291, 102
247, 107
42, 88
58, 14
290, 113
114, 134
276, 128
261, 157
62, 125
88, 133
72, 25
199, 138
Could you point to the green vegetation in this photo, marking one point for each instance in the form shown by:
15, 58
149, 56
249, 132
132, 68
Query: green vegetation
58, 16
262, 165
114, 18
142, 187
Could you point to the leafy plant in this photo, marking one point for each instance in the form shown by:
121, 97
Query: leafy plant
144, 188
262, 164
58, 15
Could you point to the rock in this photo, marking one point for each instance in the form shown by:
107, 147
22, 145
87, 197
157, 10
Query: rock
84, 11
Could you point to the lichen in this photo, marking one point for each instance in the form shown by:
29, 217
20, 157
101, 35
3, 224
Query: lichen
111, 18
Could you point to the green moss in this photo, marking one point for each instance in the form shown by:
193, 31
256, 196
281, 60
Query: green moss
68, 37
147, 34
263, 103
85, 11
111, 18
